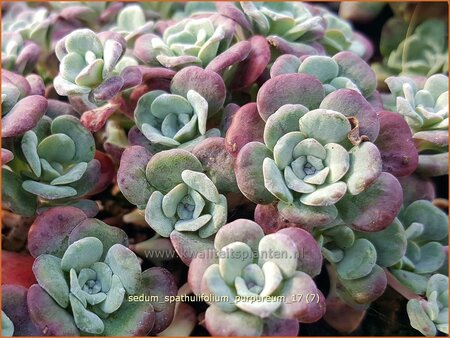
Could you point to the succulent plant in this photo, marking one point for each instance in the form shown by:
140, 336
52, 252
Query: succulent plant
426, 233
300, 29
56, 162
421, 51
425, 109
355, 263
87, 279
253, 280
179, 118
31, 23
314, 162
343, 70
7, 326
431, 314
190, 42
18, 55
131, 23
94, 65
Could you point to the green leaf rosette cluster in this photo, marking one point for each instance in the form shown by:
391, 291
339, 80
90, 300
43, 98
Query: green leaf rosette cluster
54, 161
345, 70
254, 278
425, 109
431, 314
190, 42
95, 287
426, 232
91, 63
178, 119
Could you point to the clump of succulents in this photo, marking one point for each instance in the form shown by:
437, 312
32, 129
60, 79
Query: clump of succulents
425, 109
18, 55
317, 158
85, 277
343, 70
178, 119
93, 66
253, 280
56, 162
190, 42
431, 314
426, 232
178, 200
421, 52
300, 29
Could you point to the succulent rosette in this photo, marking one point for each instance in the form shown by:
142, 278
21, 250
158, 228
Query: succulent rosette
422, 52
55, 162
343, 70
426, 232
252, 280
300, 29
179, 200
18, 55
31, 23
425, 109
190, 42
131, 23
179, 118
94, 65
431, 314
85, 277
318, 157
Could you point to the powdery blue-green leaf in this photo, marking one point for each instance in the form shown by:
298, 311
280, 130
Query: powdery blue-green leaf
232, 259
29, 148
73, 175
192, 224
286, 259
306, 215
155, 216
390, 243
82, 41
14, 197
322, 67
85, 320
274, 181
283, 150
358, 260
219, 322
201, 183
125, 264
365, 167
170, 161
50, 276
213, 283
419, 318
338, 160
82, 254
219, 217
283, 121
325, 195
325, 126
115, 296
47, 191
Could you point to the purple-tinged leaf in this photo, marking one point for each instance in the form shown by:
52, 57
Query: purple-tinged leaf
233, 55
14, 304
131, 176
95, 119
37, 85
246, 126
108, 88
399, 155
289, 89
24, 115
49, 234
49, 317
376, 207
